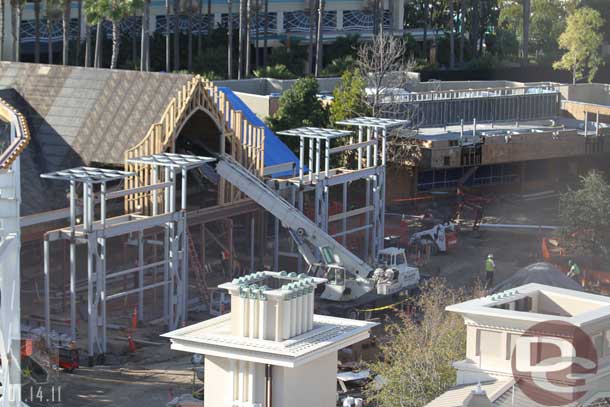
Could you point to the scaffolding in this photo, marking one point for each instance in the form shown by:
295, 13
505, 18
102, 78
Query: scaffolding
317, 147
16, 137
94, 234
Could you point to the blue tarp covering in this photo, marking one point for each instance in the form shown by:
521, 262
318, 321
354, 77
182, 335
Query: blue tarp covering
276, 152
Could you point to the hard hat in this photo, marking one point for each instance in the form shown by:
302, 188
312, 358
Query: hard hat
490, 256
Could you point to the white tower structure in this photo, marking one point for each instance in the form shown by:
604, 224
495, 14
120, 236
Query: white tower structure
271, 349
14, 136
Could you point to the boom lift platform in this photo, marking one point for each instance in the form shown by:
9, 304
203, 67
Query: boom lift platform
352, 282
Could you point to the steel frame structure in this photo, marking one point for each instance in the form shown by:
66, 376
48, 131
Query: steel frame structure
371, 146
95, 233
10, 248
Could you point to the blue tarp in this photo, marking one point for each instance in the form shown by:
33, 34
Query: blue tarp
276, 152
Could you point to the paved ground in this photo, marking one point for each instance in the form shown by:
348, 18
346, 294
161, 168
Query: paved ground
155, 374
149, 385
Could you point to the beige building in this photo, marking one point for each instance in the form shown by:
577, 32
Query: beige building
507, 356
287, 21
270, 350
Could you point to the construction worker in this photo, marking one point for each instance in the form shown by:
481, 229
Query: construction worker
490, 268
575, 272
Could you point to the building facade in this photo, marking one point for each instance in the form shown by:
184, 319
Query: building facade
286, 21
534, 345
270, 350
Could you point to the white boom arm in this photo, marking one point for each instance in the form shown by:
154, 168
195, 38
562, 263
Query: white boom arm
303, 230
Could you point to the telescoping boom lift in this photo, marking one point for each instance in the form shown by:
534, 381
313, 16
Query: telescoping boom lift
351, 281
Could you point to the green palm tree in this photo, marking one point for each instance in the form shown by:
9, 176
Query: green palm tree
87, 41
37, 31
115, 11
168, 66
53, 13
16, 9
145, 40
230, 47
79, 19
65, 22
319, 38
526, 30
176, 35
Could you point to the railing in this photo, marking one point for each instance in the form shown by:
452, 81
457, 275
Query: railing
246, 141
449, 94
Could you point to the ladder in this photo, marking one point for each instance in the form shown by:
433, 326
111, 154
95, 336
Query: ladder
196, 266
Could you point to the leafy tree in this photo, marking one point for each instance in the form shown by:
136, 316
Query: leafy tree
275, 71
602, 7
548, 21
505, 44
511, 17
585, 216
299, 106
385, 68
342, 47
582, 40
291, 55
339, 65
349, 98
417, 355
115, 11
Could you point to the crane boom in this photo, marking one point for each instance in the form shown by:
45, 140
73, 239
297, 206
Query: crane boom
303, 230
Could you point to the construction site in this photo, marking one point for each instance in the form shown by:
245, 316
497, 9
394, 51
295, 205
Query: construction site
136, 204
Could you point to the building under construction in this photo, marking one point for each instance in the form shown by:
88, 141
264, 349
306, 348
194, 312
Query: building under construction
528, 136
126, 221
127, 217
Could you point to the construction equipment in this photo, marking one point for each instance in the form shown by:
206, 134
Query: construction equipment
67, 358
351, 281
593, 275
467, 202
443, 236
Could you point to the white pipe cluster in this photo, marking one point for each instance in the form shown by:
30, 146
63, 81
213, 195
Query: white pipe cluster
298, 307
253, 311
261, 312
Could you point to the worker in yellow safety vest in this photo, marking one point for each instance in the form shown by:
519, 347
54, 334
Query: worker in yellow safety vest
490, 268
575, 273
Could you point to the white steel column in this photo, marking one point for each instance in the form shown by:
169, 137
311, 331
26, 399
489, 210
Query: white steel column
47, 300
10, 307
382, 186
140, 276
72, 260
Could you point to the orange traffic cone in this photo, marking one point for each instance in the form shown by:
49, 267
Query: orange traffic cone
132, 344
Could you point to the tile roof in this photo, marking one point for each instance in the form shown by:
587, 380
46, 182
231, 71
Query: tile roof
502, 393
456, 396
80, 116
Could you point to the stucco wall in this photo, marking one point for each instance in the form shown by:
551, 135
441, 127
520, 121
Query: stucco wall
313, 384
596, 93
